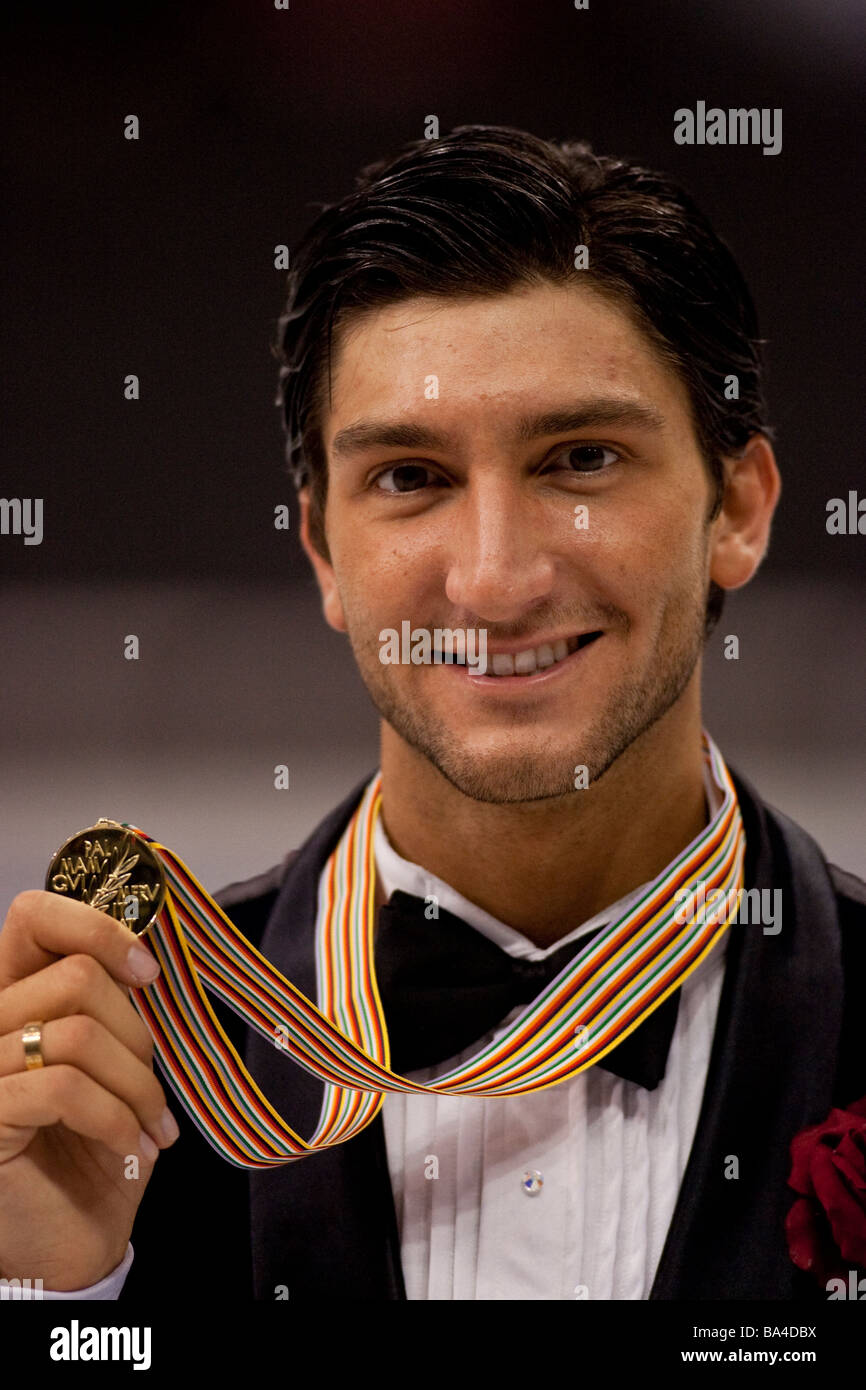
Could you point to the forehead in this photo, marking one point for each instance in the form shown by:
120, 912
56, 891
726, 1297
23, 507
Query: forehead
513, 349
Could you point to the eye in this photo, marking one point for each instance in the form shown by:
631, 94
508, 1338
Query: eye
587, 458
406, 477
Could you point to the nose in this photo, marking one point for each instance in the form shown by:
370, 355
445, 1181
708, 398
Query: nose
501, 563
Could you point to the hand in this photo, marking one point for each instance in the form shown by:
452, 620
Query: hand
73, 1132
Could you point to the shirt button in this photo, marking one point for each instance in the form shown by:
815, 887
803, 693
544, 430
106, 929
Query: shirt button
533, 1182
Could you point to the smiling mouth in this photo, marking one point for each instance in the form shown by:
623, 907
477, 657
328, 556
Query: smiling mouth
527, 662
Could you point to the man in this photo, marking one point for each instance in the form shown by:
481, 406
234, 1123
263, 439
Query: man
522, 391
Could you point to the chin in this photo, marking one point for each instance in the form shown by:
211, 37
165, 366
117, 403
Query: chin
505, 778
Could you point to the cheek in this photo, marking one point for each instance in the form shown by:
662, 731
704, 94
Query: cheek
381, 586
641, 558
628, 551
404, 570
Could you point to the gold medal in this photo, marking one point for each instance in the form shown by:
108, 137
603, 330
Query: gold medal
111, 868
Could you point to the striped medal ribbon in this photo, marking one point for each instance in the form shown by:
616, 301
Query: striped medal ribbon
626, 971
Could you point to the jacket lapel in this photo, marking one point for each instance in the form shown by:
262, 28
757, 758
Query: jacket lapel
771, 1074
323, 1226
326, 1226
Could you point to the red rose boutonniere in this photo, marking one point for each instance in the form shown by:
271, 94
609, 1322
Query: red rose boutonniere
826, 1226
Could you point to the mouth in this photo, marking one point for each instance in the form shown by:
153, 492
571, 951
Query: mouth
529, 664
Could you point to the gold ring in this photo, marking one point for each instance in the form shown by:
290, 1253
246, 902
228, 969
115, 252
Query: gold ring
32, 1040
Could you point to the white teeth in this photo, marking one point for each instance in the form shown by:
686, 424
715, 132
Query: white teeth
531, 659
524, 663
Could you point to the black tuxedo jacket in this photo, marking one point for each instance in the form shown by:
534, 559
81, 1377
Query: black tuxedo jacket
787, 1048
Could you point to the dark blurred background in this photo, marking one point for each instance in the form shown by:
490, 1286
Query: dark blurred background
155, 257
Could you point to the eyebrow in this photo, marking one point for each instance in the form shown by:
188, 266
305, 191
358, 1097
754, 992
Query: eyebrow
404, 434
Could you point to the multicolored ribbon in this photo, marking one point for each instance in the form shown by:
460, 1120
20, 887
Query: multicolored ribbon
602, 995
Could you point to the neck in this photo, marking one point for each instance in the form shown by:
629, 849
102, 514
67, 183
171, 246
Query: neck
544, 867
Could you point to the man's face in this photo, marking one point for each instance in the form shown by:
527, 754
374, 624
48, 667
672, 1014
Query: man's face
467, 520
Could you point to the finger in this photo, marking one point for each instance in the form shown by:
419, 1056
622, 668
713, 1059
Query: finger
63, 1095
76, 985
79, 1043
42, 926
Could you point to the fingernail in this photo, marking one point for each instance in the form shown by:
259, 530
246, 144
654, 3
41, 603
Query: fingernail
147, 1148
166, 1127
142, 965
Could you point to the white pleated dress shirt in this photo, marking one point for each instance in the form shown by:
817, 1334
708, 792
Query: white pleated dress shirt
610, 1154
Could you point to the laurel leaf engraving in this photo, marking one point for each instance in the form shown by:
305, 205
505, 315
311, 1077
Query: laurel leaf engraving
113, 882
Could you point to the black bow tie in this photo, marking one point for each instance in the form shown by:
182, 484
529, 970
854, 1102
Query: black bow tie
444, 985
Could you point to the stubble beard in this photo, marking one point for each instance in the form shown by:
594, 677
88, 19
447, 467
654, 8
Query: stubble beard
547, 770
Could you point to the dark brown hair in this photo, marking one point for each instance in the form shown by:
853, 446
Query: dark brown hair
487, 208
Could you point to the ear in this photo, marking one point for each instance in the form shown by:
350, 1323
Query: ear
332, 606
740, 533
